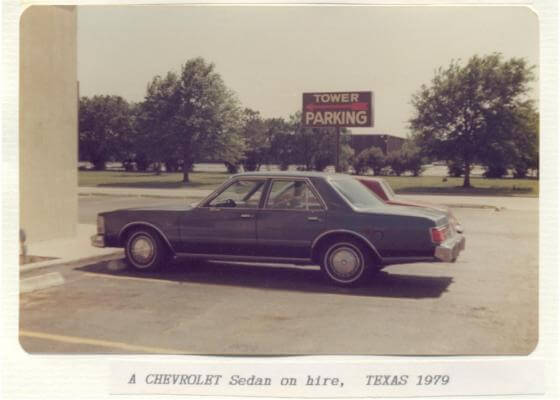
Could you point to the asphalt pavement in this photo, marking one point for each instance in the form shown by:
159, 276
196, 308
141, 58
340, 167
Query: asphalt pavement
485, 303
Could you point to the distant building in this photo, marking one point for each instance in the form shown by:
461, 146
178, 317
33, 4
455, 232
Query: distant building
387, 143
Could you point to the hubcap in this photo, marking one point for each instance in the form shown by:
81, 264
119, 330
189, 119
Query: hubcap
345, 261
142, 249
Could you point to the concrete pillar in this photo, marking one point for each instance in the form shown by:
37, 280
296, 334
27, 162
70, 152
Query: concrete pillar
48, 122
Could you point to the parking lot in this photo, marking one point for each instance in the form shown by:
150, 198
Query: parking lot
485, 303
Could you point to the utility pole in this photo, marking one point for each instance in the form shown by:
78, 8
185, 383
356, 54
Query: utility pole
337, 167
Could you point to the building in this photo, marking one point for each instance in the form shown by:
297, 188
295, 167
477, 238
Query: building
387, 143
48, 123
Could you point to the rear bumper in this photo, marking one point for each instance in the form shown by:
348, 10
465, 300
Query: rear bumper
450, 249
98, 241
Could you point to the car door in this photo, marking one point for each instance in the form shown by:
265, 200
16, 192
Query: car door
292, 216
225, 224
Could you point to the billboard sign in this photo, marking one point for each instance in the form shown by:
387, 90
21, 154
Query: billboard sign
338, 109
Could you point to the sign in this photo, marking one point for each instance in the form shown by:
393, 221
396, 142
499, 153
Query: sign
338, 109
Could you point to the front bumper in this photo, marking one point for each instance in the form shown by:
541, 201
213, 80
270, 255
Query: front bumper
98, 241
449, 250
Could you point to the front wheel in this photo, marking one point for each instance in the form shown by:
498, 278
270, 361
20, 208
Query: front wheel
145, 250
346, 263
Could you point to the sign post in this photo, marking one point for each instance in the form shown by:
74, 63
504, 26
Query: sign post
337, 166
337, 110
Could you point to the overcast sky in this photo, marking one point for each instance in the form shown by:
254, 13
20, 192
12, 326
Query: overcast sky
270, 55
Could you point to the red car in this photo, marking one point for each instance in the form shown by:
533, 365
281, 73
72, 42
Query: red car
384, 191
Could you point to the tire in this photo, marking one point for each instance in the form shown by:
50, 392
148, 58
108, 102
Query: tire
346, 262
145, 250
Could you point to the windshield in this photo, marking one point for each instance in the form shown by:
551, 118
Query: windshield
356, 193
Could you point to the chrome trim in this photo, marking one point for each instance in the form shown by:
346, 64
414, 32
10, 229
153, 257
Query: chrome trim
449, 250
144, 223
100, 224
97, 240
247, 215
316, 240
226, 257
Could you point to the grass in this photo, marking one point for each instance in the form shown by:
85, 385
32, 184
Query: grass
400, 184
198, 180
480, 186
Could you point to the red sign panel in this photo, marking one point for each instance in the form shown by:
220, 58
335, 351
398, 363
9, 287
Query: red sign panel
338, 109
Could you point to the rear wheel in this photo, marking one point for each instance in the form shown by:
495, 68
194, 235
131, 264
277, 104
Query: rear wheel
346, 262
145, 250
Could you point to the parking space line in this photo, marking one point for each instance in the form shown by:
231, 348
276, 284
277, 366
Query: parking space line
100, 343
131, 278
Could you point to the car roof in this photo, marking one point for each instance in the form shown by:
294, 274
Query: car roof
295, 174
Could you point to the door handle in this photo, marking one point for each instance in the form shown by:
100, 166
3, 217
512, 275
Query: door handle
246, 215
313, 219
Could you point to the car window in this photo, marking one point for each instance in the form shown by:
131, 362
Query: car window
356, 193
241, 194
292, 195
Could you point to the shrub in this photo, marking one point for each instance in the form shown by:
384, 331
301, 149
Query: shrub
397, 161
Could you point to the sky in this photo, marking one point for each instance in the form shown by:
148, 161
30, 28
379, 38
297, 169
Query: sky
270, 55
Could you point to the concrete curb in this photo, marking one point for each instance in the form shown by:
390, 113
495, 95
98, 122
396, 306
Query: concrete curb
39, 282
146, 192
118, 253
479, 206
159, 196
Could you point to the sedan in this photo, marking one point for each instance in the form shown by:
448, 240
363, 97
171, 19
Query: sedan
294, 218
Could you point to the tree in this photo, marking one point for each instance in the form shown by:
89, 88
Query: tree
413, 157
467, 114
192, 115
359, 163
373, 158
455, 169
315, 148
346, 157
257, 145
281, 138
397, 162
104, 128
527, 139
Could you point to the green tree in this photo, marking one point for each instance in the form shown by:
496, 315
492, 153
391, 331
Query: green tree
346, 157
192, 115
527, 139
315, 148
467, 113
254, 132
373, 158
281, 138
456, 169
414, 159
397, 162
105, 128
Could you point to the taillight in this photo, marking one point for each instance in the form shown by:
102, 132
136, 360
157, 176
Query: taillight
439, 234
